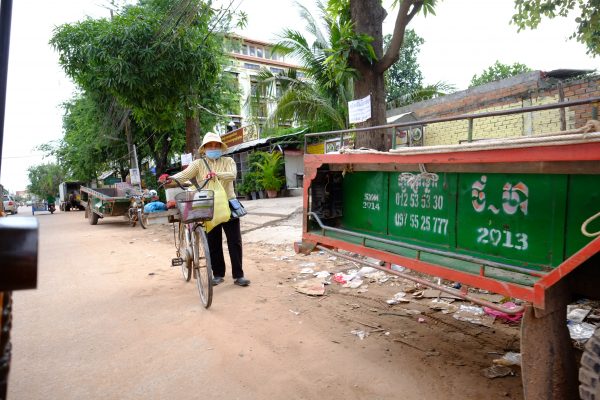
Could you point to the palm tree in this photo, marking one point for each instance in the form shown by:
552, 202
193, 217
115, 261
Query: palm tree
320, 99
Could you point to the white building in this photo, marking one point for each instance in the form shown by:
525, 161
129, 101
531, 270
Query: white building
247, 58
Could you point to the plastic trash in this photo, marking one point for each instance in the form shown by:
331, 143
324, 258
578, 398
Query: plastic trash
322, 274
155, 206
502, 315
398, 298
581, 331
509, 359
474, 315
398, 268
353, 284
365, 270
577, 315
305, 271
361, 334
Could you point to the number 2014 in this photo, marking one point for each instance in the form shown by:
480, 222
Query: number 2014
497, 237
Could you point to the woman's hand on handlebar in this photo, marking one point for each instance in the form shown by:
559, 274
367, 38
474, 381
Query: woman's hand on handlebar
164, 178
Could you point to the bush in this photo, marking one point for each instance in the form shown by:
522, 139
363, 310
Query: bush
271, 170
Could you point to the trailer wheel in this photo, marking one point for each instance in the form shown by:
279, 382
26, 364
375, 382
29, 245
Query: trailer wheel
93, 218
589, 373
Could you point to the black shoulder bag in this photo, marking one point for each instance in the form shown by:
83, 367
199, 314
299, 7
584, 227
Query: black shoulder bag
237, 209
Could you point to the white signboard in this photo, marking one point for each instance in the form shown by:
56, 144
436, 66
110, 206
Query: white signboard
134, 175
359, 110
186, 159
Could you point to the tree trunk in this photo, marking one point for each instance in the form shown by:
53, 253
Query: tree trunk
192, 134
368, 16
129, 136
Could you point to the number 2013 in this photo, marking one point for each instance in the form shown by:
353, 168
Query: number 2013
497, 237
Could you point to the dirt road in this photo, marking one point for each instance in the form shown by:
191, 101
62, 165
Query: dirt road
111, 319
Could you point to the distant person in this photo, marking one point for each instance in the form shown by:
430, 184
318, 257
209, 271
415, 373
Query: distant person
224, 168
72, 200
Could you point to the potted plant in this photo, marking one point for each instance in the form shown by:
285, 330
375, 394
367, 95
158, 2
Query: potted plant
271, 169
251, 185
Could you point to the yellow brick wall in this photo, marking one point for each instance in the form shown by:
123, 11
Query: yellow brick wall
534, 123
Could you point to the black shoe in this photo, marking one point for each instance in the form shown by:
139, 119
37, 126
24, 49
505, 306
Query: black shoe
216, 280
242, 281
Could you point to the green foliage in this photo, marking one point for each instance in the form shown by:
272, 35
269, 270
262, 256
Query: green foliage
404, 76
530, 13
280, 131
91, 143
45, 180
251, 183
498, 72
271, 171
319, 101
159, 61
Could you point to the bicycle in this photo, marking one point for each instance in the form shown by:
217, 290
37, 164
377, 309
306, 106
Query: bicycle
136, 210
191, 243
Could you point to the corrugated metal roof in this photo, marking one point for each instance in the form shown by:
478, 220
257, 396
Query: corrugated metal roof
258, 142
106, 175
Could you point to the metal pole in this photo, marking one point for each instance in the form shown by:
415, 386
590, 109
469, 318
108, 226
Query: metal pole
136, 166
5, 19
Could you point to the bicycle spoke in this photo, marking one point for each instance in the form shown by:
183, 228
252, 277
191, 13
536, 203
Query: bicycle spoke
202, 267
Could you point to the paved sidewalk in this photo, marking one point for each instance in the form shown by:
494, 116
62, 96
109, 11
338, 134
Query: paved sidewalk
277, 220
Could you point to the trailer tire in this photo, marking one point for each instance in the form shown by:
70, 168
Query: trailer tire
589, 373
93, 218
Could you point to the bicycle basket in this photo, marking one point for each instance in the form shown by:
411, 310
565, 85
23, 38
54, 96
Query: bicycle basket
195, 206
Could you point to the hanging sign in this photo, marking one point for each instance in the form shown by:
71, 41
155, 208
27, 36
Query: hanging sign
186, 159
134, 175
359, 110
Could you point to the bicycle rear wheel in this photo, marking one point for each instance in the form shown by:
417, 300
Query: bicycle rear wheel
202, 266
184, 250
142, 218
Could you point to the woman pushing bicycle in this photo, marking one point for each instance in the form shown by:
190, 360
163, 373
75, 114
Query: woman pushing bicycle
213, 165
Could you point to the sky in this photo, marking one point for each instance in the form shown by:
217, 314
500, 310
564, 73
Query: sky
461, 40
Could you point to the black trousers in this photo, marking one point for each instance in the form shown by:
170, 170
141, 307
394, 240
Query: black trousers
234, 242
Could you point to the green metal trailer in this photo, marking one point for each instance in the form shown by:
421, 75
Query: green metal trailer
516, 217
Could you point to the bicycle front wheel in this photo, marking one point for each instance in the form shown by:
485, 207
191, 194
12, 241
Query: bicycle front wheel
185, 250
202, 266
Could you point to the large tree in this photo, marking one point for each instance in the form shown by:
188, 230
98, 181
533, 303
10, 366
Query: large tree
404, 76
319, 98
530, 13
160, 59
45, 179
367, 18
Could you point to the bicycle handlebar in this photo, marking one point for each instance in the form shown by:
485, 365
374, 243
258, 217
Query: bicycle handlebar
198, 187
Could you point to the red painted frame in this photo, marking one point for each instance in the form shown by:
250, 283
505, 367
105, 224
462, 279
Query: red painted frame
535, 294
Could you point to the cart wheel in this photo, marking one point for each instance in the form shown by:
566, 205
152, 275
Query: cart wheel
142, 218
93, 218
589, 373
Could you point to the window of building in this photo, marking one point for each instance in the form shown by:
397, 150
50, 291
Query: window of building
259, 52
252, 51
251, 66
244, 49
267, 54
